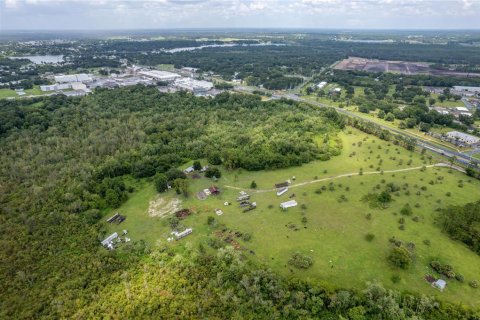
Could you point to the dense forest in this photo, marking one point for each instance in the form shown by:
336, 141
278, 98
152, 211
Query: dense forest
61, 161
462, 223
438, 53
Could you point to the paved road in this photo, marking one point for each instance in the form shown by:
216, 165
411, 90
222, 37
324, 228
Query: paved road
463, 158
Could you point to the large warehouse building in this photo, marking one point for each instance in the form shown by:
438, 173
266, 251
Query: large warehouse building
159, 75
81, 77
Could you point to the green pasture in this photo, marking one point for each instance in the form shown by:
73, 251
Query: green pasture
8, 93
334, 234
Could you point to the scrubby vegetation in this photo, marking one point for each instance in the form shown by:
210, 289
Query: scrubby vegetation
462, 223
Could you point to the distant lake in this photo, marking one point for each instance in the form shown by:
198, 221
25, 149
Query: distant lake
367, 41
42, 59
222, 45
200, 47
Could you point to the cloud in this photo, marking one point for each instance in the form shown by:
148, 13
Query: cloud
114, 14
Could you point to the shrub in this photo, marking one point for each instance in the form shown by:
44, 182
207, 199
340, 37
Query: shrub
368, 216
213, 172
210, 220
400, 257
214, 159
197, 165
247, 236
300, 261
395, 278
160, 181
384, 197
253, 185
174, 174
435, 265
426, 242
369, 237
357, 313
459, 277
473, 284
173, 221
215, 243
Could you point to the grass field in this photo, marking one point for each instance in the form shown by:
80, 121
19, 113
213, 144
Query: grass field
415, 132
334, 234
7, 93
446, 103
166, 67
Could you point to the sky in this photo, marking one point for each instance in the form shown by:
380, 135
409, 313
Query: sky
175, 14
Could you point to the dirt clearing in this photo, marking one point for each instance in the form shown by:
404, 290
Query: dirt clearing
161, 208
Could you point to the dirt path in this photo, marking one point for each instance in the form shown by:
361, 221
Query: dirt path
348, 175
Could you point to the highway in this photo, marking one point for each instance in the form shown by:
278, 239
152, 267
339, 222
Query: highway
462, 158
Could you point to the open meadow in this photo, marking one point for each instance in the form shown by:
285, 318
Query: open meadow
332, 219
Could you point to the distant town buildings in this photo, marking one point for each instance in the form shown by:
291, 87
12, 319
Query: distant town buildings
467, 89
82, 84
456, 111
321, 85
463, 139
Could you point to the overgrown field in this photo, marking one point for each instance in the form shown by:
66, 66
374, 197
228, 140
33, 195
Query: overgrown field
332, 220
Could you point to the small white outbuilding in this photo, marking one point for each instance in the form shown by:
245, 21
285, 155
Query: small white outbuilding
288, 204
440, 284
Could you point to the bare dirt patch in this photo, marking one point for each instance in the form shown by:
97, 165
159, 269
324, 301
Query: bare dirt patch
162, 208
403, 67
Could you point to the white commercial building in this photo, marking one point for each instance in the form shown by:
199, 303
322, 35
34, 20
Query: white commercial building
63, 86
467, 89
198, 87
81, 77
78, 86
160, 75
463, 137
50, 87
